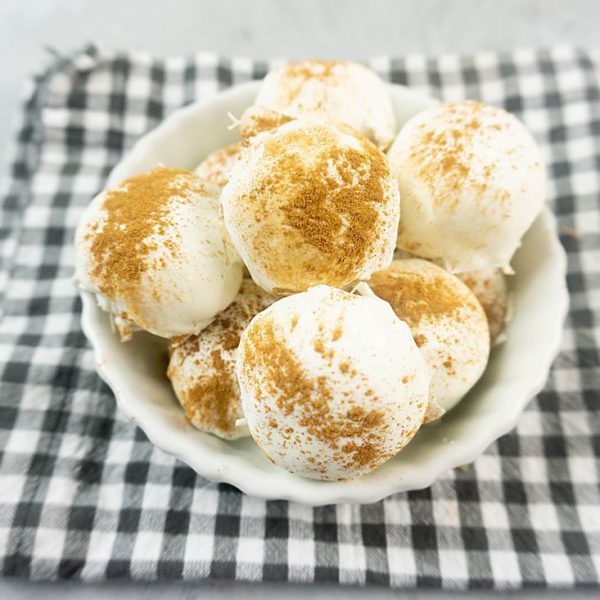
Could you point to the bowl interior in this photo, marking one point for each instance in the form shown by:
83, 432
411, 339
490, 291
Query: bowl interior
517, 369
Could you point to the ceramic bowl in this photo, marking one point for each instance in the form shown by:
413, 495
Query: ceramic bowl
516, 372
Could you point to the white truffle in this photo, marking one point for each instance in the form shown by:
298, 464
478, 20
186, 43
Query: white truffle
155, 253
332, 91
491, 289
258, 119
202, 368
332, 383
471, 183
311, 203
446, 321
216, 166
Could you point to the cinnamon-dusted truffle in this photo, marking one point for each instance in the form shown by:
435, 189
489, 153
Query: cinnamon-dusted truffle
491, 290
471, 183
311, 203
155, 253
332, 91
259, 119
446, 321
202, 368
332, 383
216, 166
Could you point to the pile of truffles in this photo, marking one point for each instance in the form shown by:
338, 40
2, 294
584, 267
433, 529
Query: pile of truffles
327, 286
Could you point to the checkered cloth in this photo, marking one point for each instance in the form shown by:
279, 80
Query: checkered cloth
84, 495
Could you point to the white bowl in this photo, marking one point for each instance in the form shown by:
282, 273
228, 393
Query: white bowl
517, 370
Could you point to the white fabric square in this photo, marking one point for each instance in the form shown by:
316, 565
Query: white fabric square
557, 568
453, 565
250, 550
61, 491
543, 517
49, 543
110, 496
156, 496
494, 515
505, 567
351, 563
148, 546
198, 547
402, 566
21, 441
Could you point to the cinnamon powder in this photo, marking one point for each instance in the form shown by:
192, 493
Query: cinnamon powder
414, 296
274, 367
297, 74
217, 165
208, 400
134, 211
211, 396
493, 301
258, 119
331, 211
445, 155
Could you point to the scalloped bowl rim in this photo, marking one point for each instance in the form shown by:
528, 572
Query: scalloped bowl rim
186, 444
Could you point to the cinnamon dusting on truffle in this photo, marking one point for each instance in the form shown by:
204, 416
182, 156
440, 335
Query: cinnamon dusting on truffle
209, 399
258, 119
329, 213
491, 292
135, 211
414, 297
215, 168
297, 74
445, 155
268, 359
202, 368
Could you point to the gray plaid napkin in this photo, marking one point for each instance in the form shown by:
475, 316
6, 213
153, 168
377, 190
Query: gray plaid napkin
84, 495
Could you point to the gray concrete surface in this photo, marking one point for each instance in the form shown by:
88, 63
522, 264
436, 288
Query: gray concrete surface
17, 590
264, 28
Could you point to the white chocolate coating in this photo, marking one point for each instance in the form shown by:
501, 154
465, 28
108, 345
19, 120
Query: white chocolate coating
188, 274
215, 168
471, 183
202, 368
332, 383
311, 203
332, 91
259, 119
446, 321
491, 289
